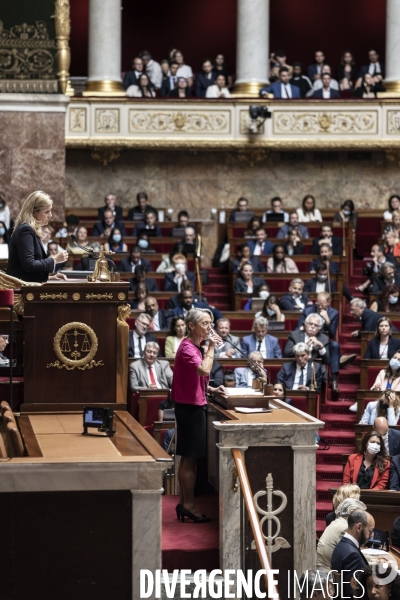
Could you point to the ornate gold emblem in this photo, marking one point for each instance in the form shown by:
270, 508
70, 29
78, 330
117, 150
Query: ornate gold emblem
76, 296
124, 311
99, 296
54, 296
75, 345
30, 296
121, 296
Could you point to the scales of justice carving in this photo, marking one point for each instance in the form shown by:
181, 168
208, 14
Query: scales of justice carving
273, 542
75, 345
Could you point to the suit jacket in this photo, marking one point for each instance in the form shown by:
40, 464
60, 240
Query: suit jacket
100, 227
369, 320
142, 226
379, 283
394, 442
130, 79
149, 337
241, 286
276, 90
371, 413
282, 233
352, 468
394, 474
336, 245
164, 319
268, 246
171, 286
333, 266
311, 285
118, 213
299, 336
333, 315
319, 94
222, 349
298, 249
173, 302
27, 257
136, 211
249, 344
372, 350
202, 83
150, 283
365, 69
287, 302
255, 262
381, 382
241, 377
347, 557
166, 88
311, 71
139, 378
216, 313
217, 374
287, 375
125, 264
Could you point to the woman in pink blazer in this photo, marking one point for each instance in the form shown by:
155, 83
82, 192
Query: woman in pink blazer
369, 469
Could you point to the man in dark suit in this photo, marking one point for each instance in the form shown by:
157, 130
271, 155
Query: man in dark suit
260, 245
314, 70
326, 92
135, 258
160, 319
140, 336
325, 256
375, 68
391, 437
327, 237
296, 299
204, 79
186, 302
282, 89
169, 82
394, 475
110, 204
188, 244
369, 318
298, 375
132, 77
387, 275
171, 279
323, 308
347, 555
148, 372
302, 81
105, 227
260, 340
141, 277
149, 224
320, 282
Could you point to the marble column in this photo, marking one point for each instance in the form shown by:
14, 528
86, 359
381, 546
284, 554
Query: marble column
392, 80
252, 55
104, 49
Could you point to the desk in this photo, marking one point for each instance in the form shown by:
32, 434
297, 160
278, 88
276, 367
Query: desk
81, 510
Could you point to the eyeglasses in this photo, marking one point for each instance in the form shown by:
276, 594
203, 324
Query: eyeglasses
314, 325
144, 324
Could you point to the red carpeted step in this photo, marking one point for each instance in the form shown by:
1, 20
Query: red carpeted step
340, 422
334, 455
320, 527
322, 469
337, 437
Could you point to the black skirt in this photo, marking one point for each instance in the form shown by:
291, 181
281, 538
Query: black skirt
191, 437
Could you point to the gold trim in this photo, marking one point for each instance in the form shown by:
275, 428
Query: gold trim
62, 25
249, 89
70, 364
392, 86
99, 296
54, 296
104, 88
121, 296
76, 296
30, 296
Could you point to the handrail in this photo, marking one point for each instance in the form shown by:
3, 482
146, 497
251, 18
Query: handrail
254, 521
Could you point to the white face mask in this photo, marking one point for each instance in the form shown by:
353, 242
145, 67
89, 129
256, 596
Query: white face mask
180, 267
264, 294
346, 212
270, 312
393, 299
373, 447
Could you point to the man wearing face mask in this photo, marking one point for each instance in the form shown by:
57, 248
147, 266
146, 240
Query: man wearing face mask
391, 437
296, 299
320, 283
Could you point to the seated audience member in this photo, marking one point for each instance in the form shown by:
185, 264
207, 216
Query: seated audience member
349, 490
280, 392
140, 276
143, 89
47, 233
149, 224
315, 584
263, 292
393, 204
390, 436
276, 212
107, 225
293, 223
329, 315
174, 301
182, 89
395, 533
308, 213
260, 246
325, 256
383, 345
184, 70
144, 242
174, 280
387, 276
347, 214
183, 218
282, 88
142, 206
244, 376
394, 476
160, 319
217, 374
169, 82
52, 250
279, 263
140, 336
389, 378
115, 242
347, 559
218, 89
110, 203
327, 237
82, 239
372, 269
243, 257
293, 246
388, 300
279, 60
177, 332
387, 406
375, 67
326, 87
369, 468
225, 350
368, 88
320, 282
219, 67
298, 375
391, 244
188, 244
369, 319
3, 344
132, 77
135, 258
299, 80
335, 531
347, 71
296, 299
149, 372
70, 226
378, 584
314, 70
242, 205
204, 79
152, 68
260, 340
252, 226
271, 310
140, 294
395, 224
186, 302
247, 282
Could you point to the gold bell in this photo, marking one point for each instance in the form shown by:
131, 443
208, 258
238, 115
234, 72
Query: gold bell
101, 271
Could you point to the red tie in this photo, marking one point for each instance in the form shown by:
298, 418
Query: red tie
152, 378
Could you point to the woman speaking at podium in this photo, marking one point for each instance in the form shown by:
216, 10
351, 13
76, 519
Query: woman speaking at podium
27, 257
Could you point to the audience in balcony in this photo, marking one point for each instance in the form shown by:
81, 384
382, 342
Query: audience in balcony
369, 468
387, 406
303, 373
271, 310
375, 67
393, 204
368, 88
293, 223
144, 242
115, 242
276, 213
82, 238
135, 258
327, 237
142, 207
105, 227
177, 333
152, 69
183, 70
170, 80
182, 89
132, 77
220, 68
260, 245
261, 341
387, 275
218, 89
320, 283
149, 224
110, 203
326, 89
144, 88
301, 81
296, 299
277, 61
279, 263
308, 213
388, 300
347, 71
383, 345
252, 226
389, 378
140, 294
347, 214
281, 88
244, 256
175, 279
204, 79
314, 70
140, 276
246, 282
293, 246
319, 84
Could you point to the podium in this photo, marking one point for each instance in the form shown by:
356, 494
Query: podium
75, 347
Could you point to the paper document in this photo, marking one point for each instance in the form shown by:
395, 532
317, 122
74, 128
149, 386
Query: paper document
242, 409
243, 392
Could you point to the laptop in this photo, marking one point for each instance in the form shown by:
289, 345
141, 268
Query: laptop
275, 218
76, 274
178, 232
243, 216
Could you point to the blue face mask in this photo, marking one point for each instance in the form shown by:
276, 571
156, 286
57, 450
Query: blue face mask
394, 363
346, 212
2, 231
143, 244
117, 237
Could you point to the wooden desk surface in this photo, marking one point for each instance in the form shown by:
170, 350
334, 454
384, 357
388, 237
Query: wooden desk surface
278, 415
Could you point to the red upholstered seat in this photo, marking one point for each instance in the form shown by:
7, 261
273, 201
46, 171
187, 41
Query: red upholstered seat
372, 374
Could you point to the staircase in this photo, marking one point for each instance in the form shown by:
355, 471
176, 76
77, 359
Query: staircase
217, 290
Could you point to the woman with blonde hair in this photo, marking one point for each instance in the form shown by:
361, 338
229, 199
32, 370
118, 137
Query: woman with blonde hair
27, 257
348, 490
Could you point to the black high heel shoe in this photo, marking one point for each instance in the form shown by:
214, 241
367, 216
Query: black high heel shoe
178, 508
186, 513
